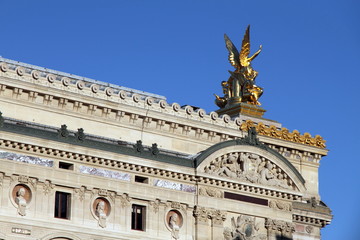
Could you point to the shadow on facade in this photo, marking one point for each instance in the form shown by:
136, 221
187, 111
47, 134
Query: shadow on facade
283, 238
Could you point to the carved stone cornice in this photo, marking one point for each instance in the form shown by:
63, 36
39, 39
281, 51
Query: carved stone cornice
284, 134
124, 166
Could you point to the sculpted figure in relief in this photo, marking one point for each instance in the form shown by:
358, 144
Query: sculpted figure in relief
248, 167
243, 228
174, 226
100, 212
21, 201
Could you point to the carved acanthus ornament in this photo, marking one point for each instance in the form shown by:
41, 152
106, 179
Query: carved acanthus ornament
176, 205
125, 200
25, 180
155, 205
217, 217
283, 133
280, 205
48, 187
244, 228
201, 214
80, 192
249, 167
278, 227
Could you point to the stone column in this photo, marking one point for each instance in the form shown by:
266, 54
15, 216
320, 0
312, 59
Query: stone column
202, 230
217, 219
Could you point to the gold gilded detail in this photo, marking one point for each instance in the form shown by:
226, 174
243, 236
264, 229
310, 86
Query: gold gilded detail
240, 86
284, 134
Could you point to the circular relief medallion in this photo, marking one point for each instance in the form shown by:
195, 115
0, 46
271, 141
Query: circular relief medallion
101, 207
21, 191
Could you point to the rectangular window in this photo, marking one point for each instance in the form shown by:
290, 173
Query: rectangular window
65, 165
140, 179
138, 217
62, 205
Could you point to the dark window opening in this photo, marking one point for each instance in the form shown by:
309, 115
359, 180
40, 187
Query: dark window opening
62, 205
138, 217
244, 198
140, 179
65, 165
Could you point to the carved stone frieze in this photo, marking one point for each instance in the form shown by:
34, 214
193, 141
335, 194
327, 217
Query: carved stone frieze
211, 192
249, 167
244, 228
280, 205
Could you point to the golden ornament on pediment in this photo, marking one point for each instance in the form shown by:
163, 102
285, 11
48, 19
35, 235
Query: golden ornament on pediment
283, 133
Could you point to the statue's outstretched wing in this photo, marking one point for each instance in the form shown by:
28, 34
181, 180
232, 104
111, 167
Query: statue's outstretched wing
233, 52
245, 49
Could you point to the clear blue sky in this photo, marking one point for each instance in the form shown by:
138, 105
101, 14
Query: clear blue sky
309, 66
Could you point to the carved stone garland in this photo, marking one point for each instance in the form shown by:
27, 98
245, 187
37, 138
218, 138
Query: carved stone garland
249, 167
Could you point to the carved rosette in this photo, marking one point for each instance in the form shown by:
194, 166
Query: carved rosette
249, 167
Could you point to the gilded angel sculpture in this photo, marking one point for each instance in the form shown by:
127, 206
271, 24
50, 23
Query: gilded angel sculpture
240, 87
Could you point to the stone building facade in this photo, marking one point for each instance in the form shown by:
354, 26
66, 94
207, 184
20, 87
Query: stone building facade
83, 159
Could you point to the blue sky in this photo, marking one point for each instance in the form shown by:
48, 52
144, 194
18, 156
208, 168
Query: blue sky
309, 66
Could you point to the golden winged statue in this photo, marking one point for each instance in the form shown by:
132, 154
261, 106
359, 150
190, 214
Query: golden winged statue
240, 87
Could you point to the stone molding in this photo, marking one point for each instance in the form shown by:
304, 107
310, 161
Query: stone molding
161, 106
124, 166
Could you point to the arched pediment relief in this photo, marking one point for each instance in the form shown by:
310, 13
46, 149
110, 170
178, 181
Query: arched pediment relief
60, 236
252, 164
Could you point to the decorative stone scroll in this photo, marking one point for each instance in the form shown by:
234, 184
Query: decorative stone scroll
244, 228
284, 134
249, 167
